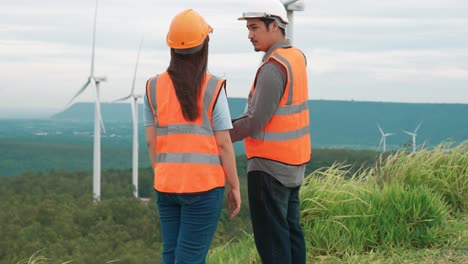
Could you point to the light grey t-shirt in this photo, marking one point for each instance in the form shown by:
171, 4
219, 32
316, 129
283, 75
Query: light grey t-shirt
221, 115
269, 89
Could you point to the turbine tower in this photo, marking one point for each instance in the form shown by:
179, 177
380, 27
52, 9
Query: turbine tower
384, 138
291, 6
413, 135
94, 81
134, 106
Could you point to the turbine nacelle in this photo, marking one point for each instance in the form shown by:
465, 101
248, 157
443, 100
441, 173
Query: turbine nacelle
133, 96
100, 79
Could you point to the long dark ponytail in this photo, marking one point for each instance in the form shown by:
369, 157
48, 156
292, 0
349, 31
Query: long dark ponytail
187, 72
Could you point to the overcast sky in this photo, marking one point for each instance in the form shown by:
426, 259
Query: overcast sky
366, 50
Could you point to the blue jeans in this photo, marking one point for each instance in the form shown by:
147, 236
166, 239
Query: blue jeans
275, 215
188, 223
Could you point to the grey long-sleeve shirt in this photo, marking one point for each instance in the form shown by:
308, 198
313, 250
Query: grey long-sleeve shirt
269, 89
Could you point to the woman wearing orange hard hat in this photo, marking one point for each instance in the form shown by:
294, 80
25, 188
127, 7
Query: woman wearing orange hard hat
187, 124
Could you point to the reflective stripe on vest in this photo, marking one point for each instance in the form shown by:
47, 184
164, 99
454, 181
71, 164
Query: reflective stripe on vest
291, 77
282, 136
187, 158
286, 137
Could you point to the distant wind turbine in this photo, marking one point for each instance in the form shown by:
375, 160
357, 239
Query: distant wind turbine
94, 82
413, 135
384, 138
134, 106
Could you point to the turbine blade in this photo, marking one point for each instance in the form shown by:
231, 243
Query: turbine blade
94, 39
133, 105
98, 105
78, 93
100, 117
381, 131
380, 144
136, 66
417, 128
409, 133
122, 99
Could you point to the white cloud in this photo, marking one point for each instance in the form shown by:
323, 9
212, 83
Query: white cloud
401, 75
23, 28
356, 49
346, 22
401, 63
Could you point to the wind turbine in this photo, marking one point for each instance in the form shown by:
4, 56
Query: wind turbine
134, 106
413, 135
94, 82
291, 6
384, 138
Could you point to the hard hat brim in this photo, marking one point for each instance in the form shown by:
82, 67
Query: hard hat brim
190, 50
247, 15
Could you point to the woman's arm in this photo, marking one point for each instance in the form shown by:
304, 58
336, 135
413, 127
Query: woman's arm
228, 161
151, 143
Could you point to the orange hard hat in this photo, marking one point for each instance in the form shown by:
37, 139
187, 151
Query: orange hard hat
187, 32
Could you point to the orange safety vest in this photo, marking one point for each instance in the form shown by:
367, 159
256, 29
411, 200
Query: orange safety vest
187, 157
286, 137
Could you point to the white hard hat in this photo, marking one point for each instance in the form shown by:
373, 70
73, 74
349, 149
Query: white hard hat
272, 9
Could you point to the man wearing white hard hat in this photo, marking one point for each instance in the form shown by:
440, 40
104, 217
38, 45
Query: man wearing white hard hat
275, 128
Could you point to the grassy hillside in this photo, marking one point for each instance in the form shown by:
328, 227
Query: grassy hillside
405, 208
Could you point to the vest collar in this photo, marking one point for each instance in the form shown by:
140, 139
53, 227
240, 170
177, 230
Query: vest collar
282, 44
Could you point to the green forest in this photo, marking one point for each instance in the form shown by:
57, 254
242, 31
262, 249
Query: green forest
357, 207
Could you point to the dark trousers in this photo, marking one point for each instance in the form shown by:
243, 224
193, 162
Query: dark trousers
275, 214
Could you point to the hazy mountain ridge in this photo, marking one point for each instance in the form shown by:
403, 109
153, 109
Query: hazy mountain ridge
66, 140
121, 112
336, 123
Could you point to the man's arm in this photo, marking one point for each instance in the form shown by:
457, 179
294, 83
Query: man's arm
269, 89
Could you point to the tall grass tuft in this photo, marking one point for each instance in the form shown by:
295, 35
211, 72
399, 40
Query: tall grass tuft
443, 170
38, 259
242, 251
34, 259
352, 216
